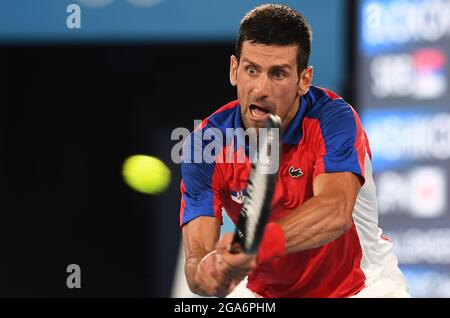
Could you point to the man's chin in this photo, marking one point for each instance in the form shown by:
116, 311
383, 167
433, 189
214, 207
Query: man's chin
253, 124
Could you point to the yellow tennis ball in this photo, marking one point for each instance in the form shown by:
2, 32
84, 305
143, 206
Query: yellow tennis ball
146, 174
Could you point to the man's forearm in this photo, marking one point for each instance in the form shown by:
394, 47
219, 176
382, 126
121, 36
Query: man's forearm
199, 238
190, 270
318, 221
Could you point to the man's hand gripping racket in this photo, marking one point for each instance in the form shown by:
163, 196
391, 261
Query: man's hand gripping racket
256, 207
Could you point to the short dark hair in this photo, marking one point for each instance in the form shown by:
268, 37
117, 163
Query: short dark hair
275, 24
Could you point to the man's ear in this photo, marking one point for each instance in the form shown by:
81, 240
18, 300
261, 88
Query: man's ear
233, 70
305, 81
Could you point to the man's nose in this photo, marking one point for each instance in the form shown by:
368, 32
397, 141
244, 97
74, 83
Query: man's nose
263, 86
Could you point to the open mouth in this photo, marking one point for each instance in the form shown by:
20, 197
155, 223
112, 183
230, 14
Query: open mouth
258, 111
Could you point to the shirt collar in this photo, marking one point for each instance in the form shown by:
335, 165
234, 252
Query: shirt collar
294, 133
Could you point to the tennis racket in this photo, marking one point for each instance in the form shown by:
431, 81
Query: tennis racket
256, 207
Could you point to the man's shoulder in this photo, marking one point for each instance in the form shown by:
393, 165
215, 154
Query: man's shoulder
322, 92
214, 127
231, 106
224, 117
325, 104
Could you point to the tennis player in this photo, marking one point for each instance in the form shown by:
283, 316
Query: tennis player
322, 239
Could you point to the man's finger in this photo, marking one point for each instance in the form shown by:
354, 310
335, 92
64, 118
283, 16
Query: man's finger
225, 242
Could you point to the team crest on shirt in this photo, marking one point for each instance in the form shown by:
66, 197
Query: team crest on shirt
238, 196
295, 173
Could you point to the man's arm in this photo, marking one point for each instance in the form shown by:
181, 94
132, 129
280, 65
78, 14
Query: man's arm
325, 216
199, 238
210, 269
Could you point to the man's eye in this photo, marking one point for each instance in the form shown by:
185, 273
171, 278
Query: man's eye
279, 74
251, 70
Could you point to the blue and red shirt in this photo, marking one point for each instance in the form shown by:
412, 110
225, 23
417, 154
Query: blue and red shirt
324, 136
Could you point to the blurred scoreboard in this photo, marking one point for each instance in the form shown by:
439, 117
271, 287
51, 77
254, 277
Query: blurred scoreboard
403, 49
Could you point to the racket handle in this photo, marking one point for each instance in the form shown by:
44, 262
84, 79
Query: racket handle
235, 248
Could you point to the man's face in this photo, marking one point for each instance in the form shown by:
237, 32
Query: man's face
267, 82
